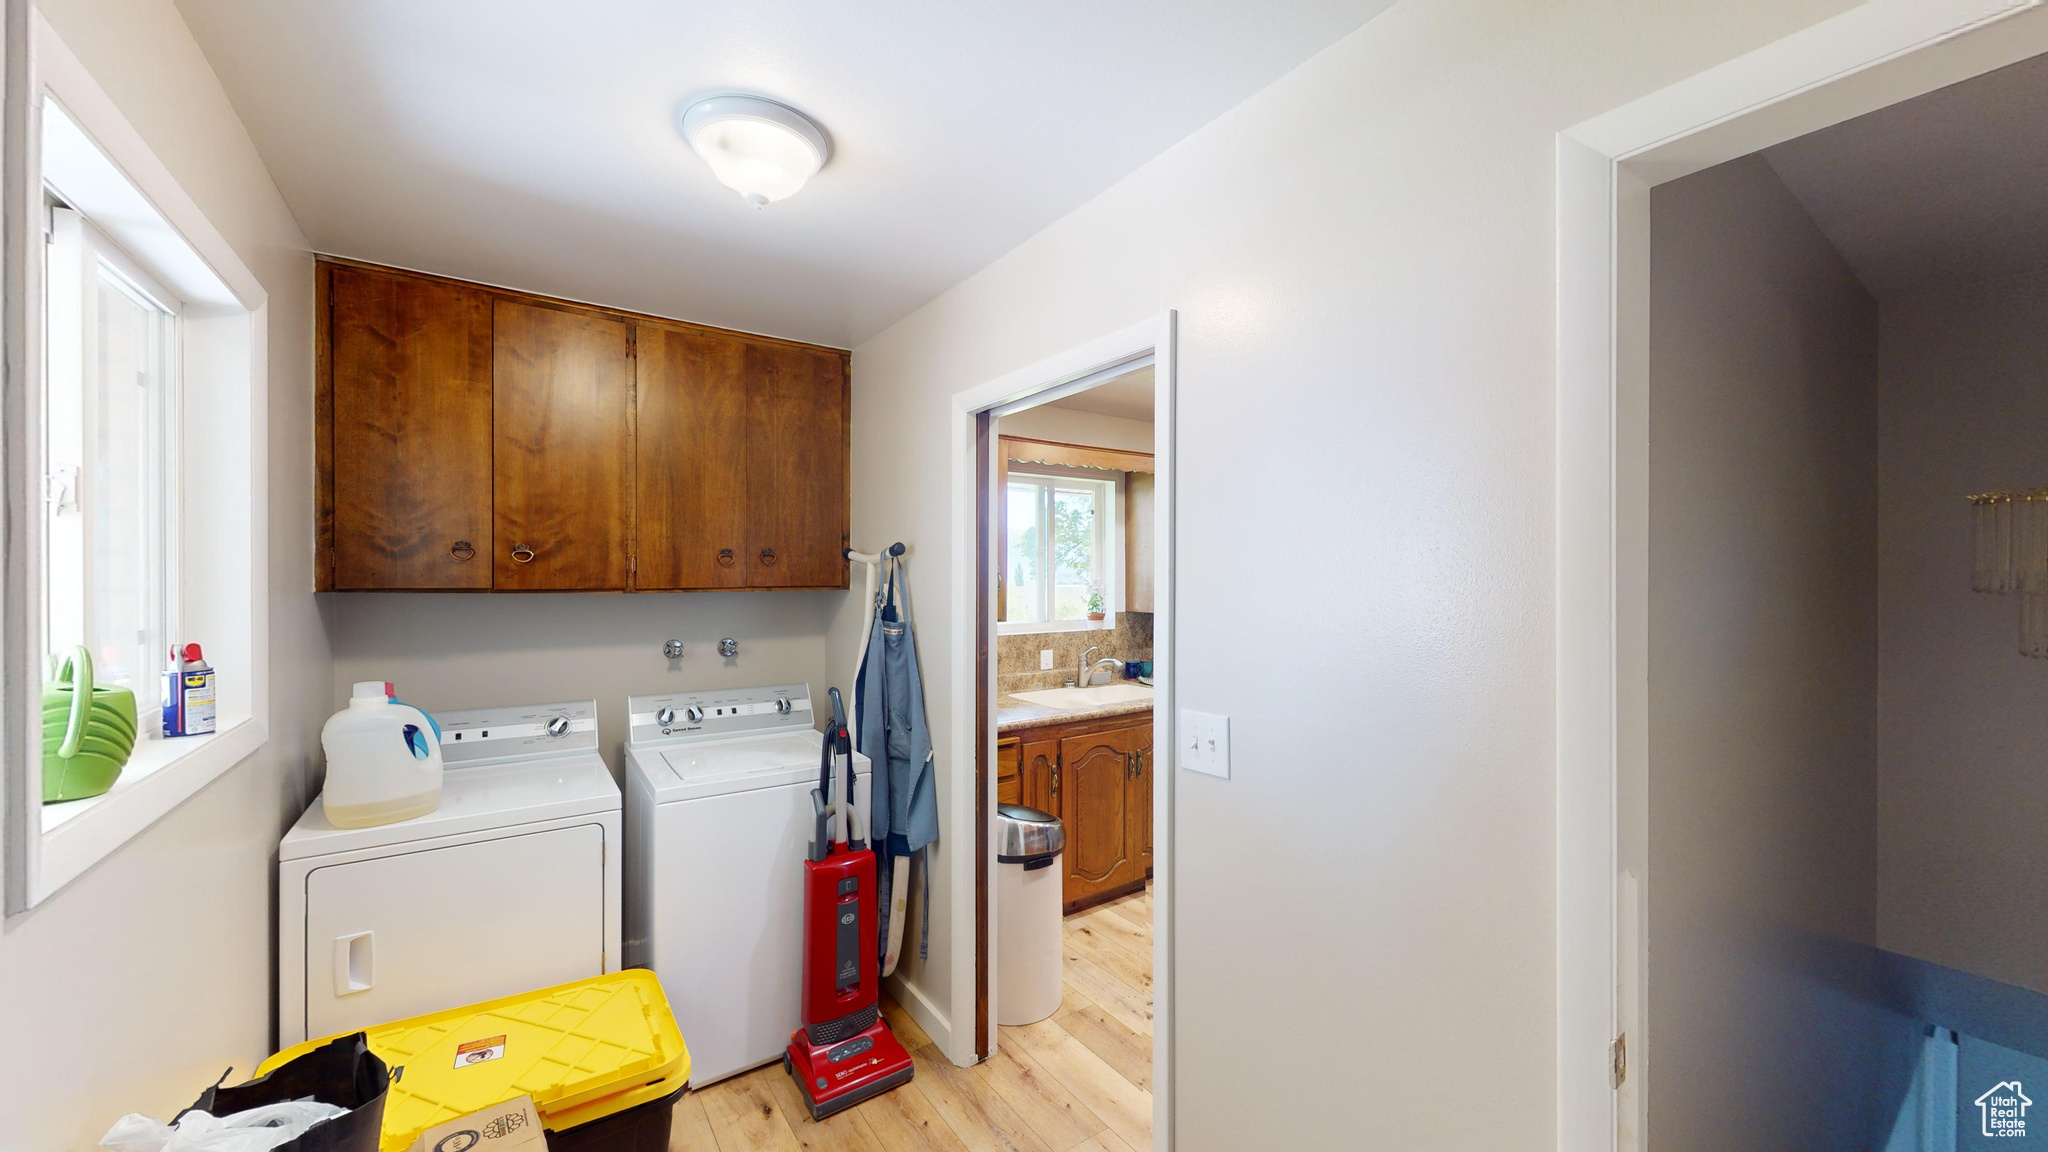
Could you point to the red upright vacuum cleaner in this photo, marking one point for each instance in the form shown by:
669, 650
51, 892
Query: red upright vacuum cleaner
844, 1053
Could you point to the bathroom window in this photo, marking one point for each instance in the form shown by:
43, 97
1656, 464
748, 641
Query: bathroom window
1061, 550
110, 406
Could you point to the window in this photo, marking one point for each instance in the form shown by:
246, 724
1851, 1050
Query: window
1062, 546
110, 403
141, 492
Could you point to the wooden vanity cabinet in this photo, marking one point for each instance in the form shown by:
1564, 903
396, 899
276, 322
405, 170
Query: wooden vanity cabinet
473, 438
1141, 795
1039, 774
1096, 776
406, 409
1009, 760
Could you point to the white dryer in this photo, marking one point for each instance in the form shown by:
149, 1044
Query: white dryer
718, 813
512, 884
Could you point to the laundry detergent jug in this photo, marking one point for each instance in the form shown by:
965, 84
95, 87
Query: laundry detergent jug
383, 760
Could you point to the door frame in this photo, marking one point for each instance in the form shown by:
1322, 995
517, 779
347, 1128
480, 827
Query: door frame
1873, 55
973, 674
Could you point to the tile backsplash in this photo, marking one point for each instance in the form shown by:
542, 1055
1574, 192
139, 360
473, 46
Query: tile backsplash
1017, 656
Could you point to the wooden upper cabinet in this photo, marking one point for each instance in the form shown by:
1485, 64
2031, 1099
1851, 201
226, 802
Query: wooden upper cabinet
690, 476
475, 438
796, 467
408, 442
562, 443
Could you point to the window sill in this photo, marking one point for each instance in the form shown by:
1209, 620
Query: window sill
161, 775
1106, 624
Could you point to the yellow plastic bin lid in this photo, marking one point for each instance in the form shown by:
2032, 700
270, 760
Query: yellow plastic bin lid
583, 1051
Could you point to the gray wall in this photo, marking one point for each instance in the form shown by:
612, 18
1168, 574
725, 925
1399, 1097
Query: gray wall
1963, 861
1763, 669
473, 650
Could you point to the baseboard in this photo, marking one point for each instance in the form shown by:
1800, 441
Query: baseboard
922, 1010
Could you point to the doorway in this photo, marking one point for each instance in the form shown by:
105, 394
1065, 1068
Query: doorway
1067, 471
1742, 475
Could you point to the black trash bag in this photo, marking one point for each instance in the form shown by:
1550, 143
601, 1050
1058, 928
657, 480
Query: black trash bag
343, 1072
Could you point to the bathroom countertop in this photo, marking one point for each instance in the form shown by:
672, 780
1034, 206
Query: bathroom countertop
1013, 715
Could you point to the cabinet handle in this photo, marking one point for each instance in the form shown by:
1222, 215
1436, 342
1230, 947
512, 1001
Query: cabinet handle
725, 557
462, 550
768, 557
521, 554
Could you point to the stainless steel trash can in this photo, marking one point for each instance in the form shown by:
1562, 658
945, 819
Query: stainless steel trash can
1028, 897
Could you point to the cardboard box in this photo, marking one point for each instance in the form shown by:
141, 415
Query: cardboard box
513, 1126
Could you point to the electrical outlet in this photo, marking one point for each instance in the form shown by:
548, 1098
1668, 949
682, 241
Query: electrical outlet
1045, 659
1204, 740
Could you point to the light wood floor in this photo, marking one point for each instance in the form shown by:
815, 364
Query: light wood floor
1078, 1082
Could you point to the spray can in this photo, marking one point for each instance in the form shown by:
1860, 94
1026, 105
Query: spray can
188, 693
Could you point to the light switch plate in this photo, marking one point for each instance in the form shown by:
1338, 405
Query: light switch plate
1204, 740
1045, 659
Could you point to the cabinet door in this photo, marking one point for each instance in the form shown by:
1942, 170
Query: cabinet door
1009, 785
562, 444
1095, 781
690, 480
411, 393
419, 932
1040, 772
1138, 566
796, 467
1141, 795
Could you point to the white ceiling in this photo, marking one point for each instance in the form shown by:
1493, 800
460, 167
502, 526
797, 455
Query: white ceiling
530, 144
1946, 188
1128, 396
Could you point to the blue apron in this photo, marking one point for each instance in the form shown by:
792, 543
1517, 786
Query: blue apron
889, 699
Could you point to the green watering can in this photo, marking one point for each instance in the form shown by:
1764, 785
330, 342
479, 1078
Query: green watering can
88, 731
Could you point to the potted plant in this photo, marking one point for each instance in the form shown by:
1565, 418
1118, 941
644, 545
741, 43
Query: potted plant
1094, 601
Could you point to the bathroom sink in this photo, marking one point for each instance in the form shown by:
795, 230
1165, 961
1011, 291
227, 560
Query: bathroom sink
1100, 696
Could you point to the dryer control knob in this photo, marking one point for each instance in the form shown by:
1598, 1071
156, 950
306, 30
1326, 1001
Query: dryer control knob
694, 713
559, 726
665, 717
782, 705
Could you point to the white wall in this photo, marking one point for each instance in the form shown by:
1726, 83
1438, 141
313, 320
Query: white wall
1363, 258
134, 987
1763, 669
462, 650
1070, 426
1963, 862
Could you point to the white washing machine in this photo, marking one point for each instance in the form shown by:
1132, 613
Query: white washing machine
718, 814
512, 884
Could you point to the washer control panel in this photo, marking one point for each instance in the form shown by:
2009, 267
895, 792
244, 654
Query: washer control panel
718, 714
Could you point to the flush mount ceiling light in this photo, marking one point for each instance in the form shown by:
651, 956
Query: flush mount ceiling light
760, 149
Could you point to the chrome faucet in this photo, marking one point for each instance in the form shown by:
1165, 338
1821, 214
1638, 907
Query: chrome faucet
1084, 672
1082, 669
